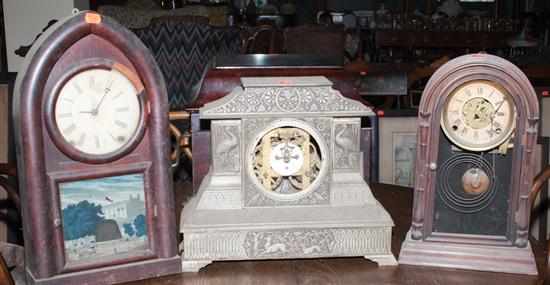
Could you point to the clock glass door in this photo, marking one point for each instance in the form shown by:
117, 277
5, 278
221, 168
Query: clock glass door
472, 191
104, 218
98, 111
475, 160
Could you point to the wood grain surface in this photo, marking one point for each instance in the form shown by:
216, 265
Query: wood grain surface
398, 201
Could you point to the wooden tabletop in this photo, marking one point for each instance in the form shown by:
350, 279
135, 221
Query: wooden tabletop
398, 201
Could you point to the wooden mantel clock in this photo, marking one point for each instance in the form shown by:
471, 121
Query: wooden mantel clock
475, 161
91, 123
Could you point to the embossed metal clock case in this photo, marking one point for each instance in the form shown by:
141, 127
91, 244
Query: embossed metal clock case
90, 117
285, 178
477, 129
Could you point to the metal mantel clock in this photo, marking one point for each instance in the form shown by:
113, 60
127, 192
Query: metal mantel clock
477, 129
91, 120
285, 179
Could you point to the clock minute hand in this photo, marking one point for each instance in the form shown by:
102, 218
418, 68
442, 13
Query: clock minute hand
498, 108
107, 90
495, 113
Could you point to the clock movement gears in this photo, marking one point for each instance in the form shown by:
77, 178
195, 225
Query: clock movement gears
475, 187
286, 160
478, 116
478, 113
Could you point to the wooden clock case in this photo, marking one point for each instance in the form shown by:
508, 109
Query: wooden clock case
82, 41
511, 251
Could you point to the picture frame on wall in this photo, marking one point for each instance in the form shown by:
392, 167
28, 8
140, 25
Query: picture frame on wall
397, 148
544, 104
403, 156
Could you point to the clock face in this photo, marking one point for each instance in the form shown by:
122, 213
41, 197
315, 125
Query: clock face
478, 116
98, 111
286, 160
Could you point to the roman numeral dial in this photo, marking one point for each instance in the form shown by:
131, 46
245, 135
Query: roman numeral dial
98, 111
478, 116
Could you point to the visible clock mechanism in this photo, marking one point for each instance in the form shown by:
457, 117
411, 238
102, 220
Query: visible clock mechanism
478, 116
286, 160
477, 129
285, 179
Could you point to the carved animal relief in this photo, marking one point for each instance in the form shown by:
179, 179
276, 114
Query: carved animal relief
226, 147
277, 145
346, 146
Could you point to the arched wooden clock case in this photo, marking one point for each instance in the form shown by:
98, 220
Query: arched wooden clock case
52, 163
453, 224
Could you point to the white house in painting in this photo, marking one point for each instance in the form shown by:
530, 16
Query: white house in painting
124, 211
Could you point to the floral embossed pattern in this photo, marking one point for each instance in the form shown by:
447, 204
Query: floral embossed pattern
286, 99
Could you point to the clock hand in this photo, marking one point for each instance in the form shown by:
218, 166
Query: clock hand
107, 90
498, 108
495, 113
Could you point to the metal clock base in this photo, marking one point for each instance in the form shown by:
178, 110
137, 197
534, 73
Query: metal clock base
114, 274
506, 259
285, 178
293, 232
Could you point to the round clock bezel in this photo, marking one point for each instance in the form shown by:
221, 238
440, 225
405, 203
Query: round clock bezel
294, 123
51, 101
486, 147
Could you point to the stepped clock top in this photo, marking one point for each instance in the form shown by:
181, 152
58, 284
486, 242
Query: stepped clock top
290, 96
295, 81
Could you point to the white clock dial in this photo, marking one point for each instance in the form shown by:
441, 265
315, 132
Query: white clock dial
286, 158
478, 116
97, 111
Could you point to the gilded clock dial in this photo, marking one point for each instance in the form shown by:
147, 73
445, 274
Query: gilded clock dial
478, 116
97, 111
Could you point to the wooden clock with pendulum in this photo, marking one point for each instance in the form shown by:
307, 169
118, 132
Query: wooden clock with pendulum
475, 165
91, 128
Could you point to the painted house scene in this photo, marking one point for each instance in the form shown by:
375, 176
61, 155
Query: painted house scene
103, 217
241, 142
